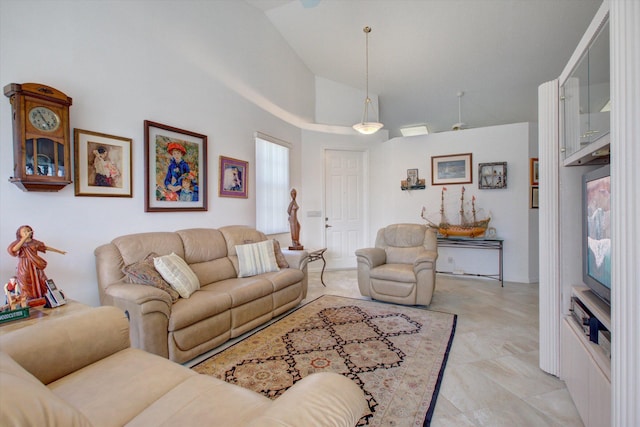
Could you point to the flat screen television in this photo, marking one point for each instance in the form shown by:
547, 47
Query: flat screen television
596, 232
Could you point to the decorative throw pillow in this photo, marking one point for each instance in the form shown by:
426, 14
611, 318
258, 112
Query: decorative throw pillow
256, 258
178, 274
145, 273
280, 259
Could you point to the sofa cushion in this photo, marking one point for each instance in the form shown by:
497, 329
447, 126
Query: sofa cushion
202, 244
242, 290
25, 401
394, 272
403, 255
144, 272
175, 270
284, 278
214, 270
202, 305
256, 258
112, 391
203, 401
134, 247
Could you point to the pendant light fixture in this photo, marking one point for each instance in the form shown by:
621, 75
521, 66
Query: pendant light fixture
365, 126
459, 125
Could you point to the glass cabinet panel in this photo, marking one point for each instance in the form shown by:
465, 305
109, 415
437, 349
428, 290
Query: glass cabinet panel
586, 97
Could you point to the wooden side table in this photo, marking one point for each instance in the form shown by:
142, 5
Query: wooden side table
42, 314
315, 256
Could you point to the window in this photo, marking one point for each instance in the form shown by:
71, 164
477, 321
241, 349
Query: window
272, 185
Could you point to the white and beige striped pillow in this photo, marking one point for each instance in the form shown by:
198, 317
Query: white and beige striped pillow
256, 258
177, 273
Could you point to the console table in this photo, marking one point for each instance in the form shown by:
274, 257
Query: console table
315, 256
475, 243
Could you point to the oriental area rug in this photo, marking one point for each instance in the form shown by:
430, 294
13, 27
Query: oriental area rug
396, 354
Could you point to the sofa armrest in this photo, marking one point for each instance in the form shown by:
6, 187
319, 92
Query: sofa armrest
319, 400
148, 310
372, 257
296, 259
425, 260
57, 347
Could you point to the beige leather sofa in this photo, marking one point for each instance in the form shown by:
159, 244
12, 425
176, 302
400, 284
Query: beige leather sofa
78, 370
402, 267
224, 307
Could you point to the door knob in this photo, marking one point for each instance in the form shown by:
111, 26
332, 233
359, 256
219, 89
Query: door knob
327, 226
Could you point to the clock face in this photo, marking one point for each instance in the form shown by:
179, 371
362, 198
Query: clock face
44, 119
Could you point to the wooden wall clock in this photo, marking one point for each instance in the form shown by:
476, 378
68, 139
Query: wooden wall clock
41, 137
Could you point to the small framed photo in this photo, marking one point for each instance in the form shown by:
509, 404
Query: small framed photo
234, 178
413, 182
533, 171
412, 177
533, 204
492, 175
102, 164
451, 169
175, 169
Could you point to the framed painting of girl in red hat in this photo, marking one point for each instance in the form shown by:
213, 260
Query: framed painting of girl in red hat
175, 169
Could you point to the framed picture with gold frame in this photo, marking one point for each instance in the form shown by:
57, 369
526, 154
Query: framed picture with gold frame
175, 169
533, 171
103, 166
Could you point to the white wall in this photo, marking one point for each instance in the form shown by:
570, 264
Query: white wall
216, 68
388, 164
339, 104
220, 69
508, 208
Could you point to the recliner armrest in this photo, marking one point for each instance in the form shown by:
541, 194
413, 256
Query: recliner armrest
323, 399
148, 310
373, 257
296, 259
53, 349
426, 259
138, 294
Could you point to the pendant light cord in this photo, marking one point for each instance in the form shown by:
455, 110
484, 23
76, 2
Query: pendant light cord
367, 30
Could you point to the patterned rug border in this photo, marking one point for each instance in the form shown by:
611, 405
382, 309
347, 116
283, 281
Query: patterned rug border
436, 393
445, 358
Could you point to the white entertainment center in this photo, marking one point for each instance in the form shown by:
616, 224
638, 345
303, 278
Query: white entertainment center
586, 366
581, 328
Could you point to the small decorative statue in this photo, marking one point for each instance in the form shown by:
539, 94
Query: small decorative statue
15, 297
292, 210
30, 269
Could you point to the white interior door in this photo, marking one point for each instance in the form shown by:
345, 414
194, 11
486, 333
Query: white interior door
344, 207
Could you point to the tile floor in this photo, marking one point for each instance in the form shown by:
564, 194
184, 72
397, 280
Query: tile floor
492, 377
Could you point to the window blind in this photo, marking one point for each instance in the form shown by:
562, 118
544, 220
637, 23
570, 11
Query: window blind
272, 185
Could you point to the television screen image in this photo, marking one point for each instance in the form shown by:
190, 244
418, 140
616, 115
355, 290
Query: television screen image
597, 232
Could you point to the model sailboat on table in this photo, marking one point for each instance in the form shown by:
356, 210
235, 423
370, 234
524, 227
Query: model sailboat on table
467, 227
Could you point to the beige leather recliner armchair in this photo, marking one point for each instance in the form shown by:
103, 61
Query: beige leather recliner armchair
402, 267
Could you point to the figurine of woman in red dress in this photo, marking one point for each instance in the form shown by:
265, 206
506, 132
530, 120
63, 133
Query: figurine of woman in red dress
30, 269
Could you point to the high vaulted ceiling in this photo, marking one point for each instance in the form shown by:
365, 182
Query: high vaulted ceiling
423, 52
